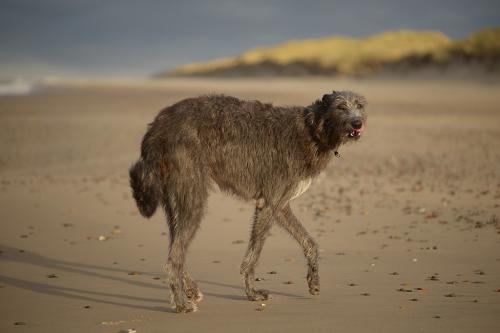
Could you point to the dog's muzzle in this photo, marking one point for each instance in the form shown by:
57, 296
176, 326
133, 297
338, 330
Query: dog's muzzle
357, 128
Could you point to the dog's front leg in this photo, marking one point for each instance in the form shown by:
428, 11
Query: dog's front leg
287, 220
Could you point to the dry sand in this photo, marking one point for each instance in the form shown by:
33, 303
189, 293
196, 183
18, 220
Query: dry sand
407, 219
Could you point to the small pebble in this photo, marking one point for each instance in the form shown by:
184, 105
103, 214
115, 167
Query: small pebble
134, 273
19, 323
414, 299
404, 290
86, 307
261, 307
116, 231
365, 294
288, 282
52, 276
272, 272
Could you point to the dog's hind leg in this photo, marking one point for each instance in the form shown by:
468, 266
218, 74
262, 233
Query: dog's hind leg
262, 223
287, 220
184, 208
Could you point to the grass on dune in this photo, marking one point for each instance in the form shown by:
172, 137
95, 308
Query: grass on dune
360, 55
484, 45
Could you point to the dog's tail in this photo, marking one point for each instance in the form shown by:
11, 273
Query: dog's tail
145, 188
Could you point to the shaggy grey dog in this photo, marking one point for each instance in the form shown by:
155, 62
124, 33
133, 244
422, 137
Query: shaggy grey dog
252, 150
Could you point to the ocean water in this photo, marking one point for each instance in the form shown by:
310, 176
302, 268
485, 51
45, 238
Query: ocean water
13, 87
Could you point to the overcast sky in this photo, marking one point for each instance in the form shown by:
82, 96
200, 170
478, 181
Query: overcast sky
137, 38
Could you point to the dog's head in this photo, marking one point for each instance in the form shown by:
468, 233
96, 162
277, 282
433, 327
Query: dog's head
345, 111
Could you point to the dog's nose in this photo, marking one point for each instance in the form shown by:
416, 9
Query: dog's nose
357, 123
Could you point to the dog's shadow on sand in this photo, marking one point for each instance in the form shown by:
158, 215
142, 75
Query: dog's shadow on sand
96, 271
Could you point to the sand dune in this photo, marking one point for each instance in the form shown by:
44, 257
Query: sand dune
397, 53
408, 219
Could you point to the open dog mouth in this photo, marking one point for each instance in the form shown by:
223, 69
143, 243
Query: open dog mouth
355, 133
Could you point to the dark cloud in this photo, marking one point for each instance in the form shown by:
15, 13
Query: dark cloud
131, 37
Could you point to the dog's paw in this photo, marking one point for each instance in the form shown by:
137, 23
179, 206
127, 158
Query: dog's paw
194, 295
186, 308
259, 295
314, 290
313, 281
198, 298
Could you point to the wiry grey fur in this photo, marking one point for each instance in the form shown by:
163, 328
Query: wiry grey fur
252, 150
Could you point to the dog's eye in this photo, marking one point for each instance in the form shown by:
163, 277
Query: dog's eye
342, 106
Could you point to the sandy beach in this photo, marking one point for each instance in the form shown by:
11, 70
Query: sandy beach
408, 219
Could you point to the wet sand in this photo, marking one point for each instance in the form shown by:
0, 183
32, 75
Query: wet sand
408, 219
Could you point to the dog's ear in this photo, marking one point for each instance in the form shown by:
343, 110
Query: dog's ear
328, 99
